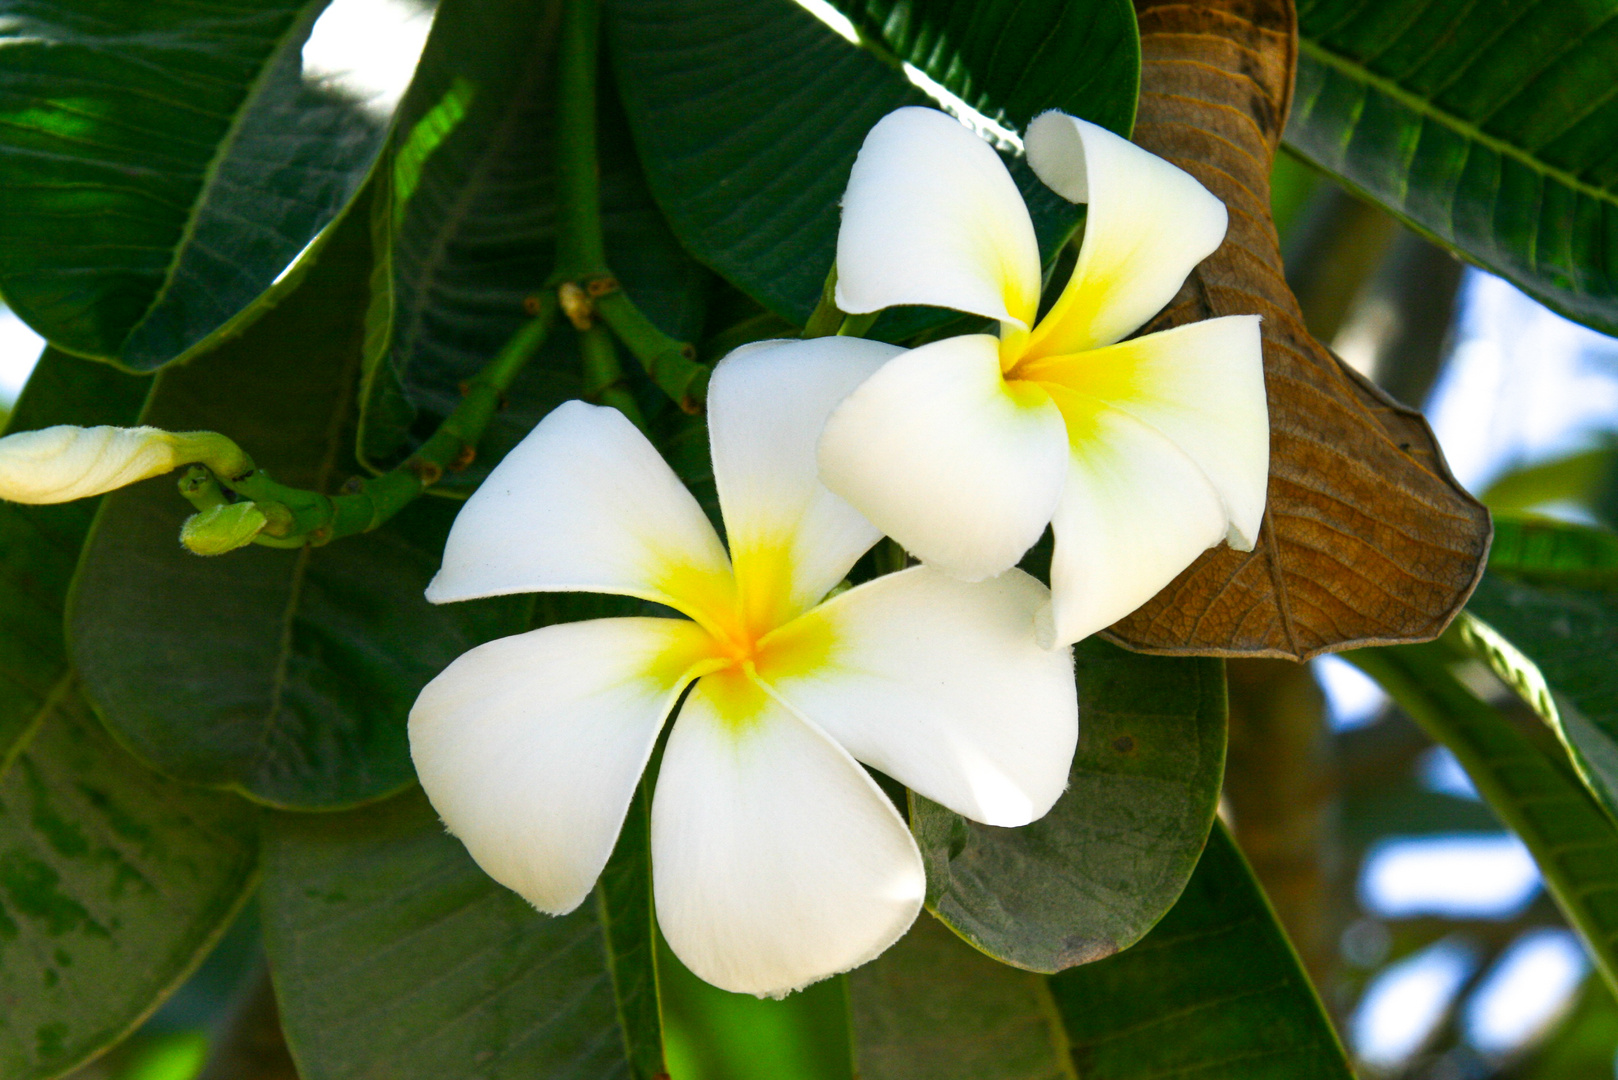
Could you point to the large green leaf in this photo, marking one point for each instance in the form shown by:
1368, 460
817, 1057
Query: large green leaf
750, 177
41, 543
114, 884
1558, 646
1547, 552
1487, 126
476, 233
395, 956
1102, 867
1529, 785
932, 1006
284, 674
1213, 992
163, 163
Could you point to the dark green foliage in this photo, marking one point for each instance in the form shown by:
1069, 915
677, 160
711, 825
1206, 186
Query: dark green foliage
114, 884
476, 236
933, 1006
41, 543
1103, 866
750, 179
284, 674
163, 162
395, 956
1214, 991
1488, 126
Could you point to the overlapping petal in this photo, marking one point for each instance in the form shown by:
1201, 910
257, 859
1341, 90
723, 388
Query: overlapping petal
941, 685
931, 216
1134, 513
790, 538
943, 455
530, 747
584, 504
777, 860
1201, 386
1149, 223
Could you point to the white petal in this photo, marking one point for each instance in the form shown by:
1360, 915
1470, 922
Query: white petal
776, 860
583, 504
944, 456
1135, 512
941, 685
530, 747
1148, 225
790, 539
1201, 386
931, 216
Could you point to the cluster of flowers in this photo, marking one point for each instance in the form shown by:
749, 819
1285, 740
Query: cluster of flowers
777, 860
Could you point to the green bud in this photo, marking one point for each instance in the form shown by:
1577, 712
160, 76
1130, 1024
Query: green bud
219, 529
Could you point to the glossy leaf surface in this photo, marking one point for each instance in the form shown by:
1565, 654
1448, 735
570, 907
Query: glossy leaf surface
41, 543
1215, 991
1565, 641
750, 179
163, 163
394, 955
933, 1006
476, 220
1366, 537
284, 674
114, 884
1102, 867
1530, 786
1487, 126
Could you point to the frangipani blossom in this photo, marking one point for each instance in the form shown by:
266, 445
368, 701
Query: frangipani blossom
1140, 454
776, 859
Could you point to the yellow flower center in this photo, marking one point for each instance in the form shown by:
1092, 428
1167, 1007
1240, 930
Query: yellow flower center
755, 627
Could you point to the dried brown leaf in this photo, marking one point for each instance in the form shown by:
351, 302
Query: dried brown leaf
1367, 538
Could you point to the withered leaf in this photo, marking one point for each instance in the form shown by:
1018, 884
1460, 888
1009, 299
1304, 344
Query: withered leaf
1367, 538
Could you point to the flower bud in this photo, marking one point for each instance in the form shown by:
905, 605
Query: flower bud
62, 463
219, 529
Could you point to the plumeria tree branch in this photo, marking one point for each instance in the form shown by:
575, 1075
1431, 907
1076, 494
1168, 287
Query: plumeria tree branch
293, 517
582, 278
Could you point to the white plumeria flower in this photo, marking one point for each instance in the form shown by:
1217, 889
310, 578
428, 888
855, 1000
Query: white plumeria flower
63, 463
1140, 454
776, 859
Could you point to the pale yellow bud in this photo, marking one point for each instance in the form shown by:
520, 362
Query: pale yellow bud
62, 463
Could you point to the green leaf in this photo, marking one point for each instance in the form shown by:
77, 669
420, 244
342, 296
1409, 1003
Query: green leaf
395, 956
1529, 786
1093, 875
748, 113
284, 674
476, 236
1547, 552
1556, 646
1486, 127
164, 162
114, 884
932, 1006
1213, 992
41, 543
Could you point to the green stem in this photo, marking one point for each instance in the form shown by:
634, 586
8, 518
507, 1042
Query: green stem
581, 254
669, 362
298, 516
825, 319
603, 377
580, 250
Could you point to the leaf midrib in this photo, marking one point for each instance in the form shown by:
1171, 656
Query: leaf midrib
1424, 107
